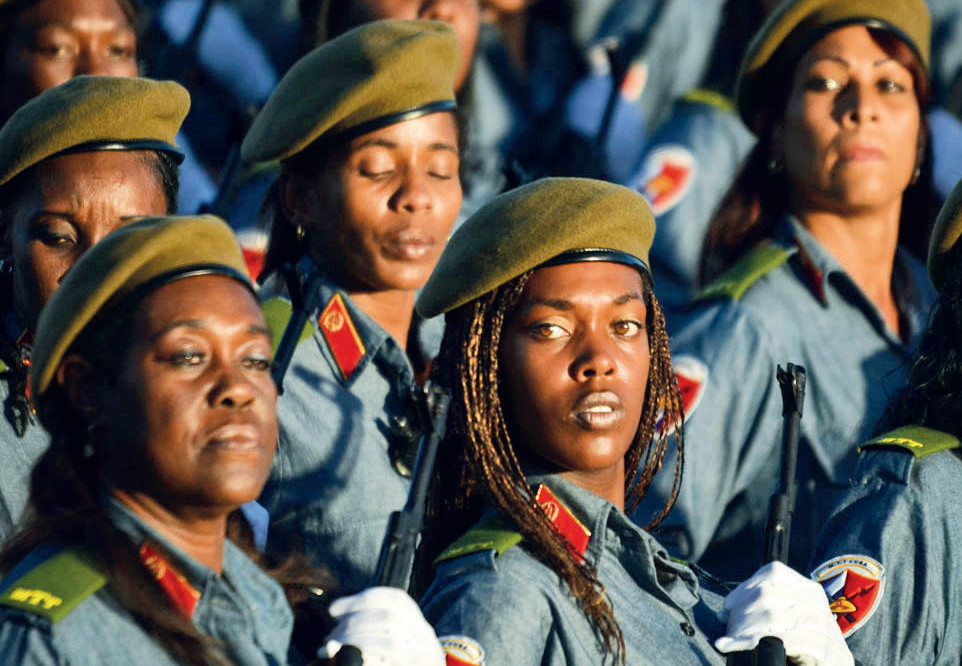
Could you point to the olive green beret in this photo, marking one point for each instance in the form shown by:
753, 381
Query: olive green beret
945, 235
123, 267
375, 75
795, 25
527, 227
10, 7
90, 113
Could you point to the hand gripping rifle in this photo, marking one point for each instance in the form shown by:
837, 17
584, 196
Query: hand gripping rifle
791, 381
404, 527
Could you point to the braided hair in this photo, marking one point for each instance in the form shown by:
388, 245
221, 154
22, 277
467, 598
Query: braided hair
478, 463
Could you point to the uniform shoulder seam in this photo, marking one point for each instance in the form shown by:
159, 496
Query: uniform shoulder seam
917, 440
755, 264
491, 534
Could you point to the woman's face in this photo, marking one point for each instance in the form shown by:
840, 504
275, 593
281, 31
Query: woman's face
398, 193
464, 16
850, 137
574, 364
56, 40
71, 203
190, 421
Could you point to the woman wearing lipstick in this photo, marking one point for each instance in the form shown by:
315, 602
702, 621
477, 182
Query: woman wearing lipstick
808, 260
556, 355
365, 130
152, 374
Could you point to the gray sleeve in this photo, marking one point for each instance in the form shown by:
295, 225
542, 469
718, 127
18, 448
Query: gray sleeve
902, 525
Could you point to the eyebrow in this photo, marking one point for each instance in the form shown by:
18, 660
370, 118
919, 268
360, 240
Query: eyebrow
199, 325
846, 63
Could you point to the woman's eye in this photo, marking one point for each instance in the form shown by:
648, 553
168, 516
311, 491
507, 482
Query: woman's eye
54, 239
628, 327
187, 357
891, 86
121, 52
546, 331
259, 363
822, 84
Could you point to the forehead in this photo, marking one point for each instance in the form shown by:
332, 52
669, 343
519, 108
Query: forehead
429, 129
852, 43
212, 301
109, 170
590, 282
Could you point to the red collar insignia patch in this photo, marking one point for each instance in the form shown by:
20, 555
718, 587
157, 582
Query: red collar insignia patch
854, 585
181, 593
564, 521
341, 336
667, 175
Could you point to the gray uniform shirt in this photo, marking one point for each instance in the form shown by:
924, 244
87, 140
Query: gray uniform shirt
903, 513
333, 485
242, 607
520, 612
806, 311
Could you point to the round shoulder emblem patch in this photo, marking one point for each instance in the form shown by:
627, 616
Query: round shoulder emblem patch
666, 176
854, 585
461, 651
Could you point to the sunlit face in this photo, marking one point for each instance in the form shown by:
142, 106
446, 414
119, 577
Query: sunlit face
464, 16
56, 40
850, 136
191, 421
71, 203
574, 364
399, 195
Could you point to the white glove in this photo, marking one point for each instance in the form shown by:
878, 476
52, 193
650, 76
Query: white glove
387, 626
778, 601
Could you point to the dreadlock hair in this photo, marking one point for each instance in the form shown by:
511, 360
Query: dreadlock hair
478, 464
932, 392
749, 211
65, 507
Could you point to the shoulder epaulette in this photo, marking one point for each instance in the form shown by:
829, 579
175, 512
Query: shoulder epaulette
919, 440
734, 282
710, 98
492, 534
277, 312
55, 586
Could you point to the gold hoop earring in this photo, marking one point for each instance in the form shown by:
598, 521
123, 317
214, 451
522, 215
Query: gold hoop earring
299, 233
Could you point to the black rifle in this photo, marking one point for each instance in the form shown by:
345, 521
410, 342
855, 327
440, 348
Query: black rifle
303, 303
791, 381
404, 527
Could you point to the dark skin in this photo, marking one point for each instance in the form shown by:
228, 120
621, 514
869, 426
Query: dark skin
397, 193
71, 203
188, 428
575, 360
56, 40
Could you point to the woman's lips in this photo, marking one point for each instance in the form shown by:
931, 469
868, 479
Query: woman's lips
409, 246
601, 410
235, 438
862, 154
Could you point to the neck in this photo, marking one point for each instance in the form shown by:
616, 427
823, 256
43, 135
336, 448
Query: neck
607, 484
200, 535
392, 310
514, 28
865, 245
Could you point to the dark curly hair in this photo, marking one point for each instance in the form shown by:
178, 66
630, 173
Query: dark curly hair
478, 464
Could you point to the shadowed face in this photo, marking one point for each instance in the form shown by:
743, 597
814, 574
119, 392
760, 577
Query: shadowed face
69, 205
56, 40
574, 364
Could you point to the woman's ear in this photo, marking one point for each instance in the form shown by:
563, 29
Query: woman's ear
298, 203
83, 388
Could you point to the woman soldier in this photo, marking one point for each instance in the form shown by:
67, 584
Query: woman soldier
887, 556
812, 272
151, 373
556, 355
365, 130
76, 162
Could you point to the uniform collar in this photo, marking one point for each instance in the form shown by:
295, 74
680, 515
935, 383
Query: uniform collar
613, 534
913, 292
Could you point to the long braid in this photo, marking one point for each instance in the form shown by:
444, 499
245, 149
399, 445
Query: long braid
478, 461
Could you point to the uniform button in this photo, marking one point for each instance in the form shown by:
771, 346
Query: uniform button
688, 629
